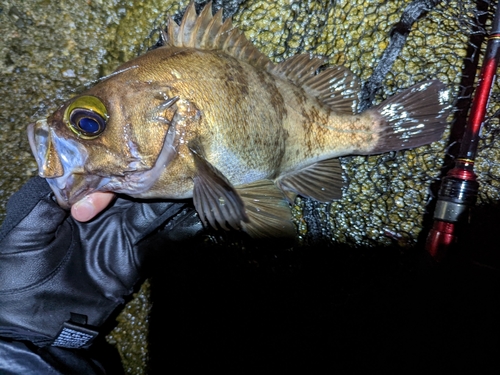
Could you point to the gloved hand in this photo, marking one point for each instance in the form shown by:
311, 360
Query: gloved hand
61, 279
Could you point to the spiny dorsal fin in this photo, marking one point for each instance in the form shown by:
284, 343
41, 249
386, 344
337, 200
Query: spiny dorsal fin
208, 32
335, 86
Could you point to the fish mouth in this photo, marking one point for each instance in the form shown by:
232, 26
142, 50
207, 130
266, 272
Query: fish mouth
70, 189
61, 162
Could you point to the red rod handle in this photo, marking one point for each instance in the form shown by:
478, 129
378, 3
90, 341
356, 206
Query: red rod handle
458, 192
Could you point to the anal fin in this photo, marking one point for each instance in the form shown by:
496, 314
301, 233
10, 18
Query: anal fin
321, 181
268, 210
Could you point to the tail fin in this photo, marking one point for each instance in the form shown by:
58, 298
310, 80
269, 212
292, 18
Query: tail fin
412, 118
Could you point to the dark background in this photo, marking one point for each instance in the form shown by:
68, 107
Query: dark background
239, 306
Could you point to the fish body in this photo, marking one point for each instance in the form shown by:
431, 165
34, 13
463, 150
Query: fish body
208, 117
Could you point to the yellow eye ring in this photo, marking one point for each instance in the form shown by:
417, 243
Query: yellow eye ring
86, 116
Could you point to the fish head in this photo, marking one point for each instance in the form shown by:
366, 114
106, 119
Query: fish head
111, 138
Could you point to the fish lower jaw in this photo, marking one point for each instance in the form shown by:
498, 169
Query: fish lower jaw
161, 192
69, 189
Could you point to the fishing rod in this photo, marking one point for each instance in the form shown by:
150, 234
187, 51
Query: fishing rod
459, 188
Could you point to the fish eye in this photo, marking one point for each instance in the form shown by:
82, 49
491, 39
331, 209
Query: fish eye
87, 122
86, 116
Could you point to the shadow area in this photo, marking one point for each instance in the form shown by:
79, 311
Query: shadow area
239, 306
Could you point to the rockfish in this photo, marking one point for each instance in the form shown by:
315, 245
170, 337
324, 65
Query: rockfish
207, 116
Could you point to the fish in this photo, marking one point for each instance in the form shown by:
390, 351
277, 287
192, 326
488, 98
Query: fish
208, 117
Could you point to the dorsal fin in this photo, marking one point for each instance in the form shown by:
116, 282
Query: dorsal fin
335, 86
208, 32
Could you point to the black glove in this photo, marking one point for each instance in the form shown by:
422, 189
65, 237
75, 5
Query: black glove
61, 279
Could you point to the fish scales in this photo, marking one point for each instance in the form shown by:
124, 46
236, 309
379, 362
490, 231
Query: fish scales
229, 116
317, 132
207, 116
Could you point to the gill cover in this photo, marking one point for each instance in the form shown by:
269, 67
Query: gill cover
86, 117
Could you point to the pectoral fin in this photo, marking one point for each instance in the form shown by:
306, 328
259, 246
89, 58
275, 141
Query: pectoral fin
268, 210
259, 208
214, 197
321, 181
